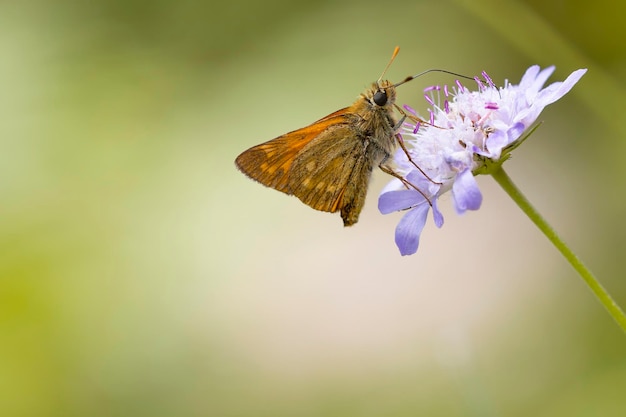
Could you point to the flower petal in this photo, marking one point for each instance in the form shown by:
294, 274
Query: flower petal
547, 96
437, 216
539, 81
499, 139
465, 192
409, 229
529, 77
555, 91
399, 200
393, 185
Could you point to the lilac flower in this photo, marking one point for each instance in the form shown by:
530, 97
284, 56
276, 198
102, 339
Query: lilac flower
472, 133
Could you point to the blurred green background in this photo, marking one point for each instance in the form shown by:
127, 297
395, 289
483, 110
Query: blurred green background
142, 275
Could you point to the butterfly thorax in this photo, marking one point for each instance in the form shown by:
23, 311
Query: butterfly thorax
377, 121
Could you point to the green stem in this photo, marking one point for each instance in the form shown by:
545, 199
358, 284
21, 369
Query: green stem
614, 310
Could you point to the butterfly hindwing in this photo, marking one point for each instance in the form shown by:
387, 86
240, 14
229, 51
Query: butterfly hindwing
331, 174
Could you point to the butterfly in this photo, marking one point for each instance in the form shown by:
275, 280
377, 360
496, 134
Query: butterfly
328, 164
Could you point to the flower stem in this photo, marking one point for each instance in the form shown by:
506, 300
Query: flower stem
614, 310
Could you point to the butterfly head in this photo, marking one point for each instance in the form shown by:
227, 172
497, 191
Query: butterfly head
381, 94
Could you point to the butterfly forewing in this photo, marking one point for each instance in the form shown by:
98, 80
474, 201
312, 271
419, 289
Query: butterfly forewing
270, 163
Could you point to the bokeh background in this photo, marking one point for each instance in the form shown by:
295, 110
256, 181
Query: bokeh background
142, 275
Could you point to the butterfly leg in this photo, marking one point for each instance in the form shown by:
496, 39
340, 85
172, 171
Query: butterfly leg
388, 170
405, 116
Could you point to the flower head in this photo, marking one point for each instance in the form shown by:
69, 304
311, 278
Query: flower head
471, 133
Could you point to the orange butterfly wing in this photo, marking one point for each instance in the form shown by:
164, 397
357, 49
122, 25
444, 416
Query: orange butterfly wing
269, 163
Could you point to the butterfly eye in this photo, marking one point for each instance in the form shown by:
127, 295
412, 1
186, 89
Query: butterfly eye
380, 97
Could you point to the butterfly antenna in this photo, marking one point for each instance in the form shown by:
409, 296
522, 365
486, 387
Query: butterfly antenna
412, 77
393, 56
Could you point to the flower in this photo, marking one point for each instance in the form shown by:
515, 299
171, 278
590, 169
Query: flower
472, 133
